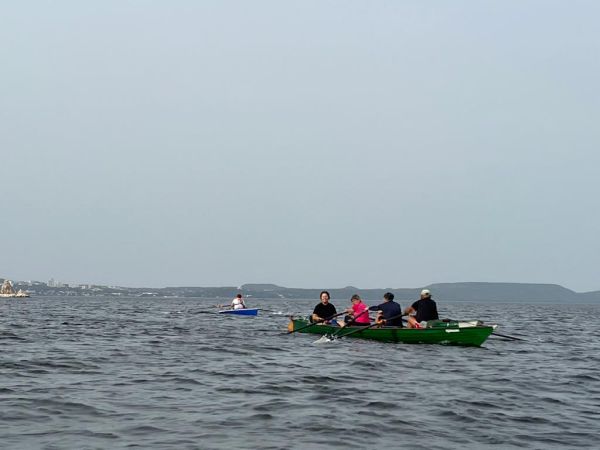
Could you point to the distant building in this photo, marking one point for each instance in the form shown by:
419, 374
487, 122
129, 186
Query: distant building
56, 284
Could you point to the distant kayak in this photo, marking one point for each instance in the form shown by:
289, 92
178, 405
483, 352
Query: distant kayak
241, 312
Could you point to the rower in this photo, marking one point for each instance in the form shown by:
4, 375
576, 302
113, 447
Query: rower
422, 311
388, 309
324, 311
238, 302
358, 313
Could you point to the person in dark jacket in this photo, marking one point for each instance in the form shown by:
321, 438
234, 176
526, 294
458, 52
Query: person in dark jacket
389, 312
422, 310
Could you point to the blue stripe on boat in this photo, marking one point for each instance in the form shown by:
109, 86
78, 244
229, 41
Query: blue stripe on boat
241, 312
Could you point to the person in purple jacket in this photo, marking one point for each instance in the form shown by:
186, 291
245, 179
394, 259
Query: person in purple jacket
389, 312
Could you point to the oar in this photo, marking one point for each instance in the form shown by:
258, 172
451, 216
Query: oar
206, 308
334, 335
314, 323
508, 337
512, 338
268, 310
368, 326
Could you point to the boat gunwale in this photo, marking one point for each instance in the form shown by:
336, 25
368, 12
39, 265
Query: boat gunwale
464, 336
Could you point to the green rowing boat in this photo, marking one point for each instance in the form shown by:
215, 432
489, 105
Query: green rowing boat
437, 332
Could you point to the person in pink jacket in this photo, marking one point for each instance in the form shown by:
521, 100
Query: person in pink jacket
358, 313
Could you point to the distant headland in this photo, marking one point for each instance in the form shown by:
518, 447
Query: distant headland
467, 291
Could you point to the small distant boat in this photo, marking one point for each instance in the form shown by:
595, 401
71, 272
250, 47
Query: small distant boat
472, 333
241, 312
7, 291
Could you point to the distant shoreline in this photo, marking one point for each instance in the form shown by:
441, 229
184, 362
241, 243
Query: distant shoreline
480, 292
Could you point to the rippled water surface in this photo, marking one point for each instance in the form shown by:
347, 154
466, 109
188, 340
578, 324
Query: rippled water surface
90, 373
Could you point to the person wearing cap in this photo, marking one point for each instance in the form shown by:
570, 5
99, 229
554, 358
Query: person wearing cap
389, 313
358, 313
324, 311
238, 302
422, 310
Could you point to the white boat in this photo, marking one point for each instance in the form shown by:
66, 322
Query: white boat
7, 291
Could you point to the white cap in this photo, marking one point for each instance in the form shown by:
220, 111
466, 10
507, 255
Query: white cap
425, 292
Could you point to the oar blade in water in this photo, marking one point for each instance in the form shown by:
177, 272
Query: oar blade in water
324, 339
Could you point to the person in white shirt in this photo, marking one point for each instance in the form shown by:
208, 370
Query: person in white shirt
238, 302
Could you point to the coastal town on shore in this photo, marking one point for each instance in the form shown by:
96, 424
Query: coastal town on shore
21, 289
465, 291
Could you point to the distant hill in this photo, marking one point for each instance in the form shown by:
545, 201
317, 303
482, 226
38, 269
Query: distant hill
503, 292
468, 291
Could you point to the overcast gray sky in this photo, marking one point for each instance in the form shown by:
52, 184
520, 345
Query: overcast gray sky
303, 143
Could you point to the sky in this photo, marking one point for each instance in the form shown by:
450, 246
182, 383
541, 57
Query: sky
309, 143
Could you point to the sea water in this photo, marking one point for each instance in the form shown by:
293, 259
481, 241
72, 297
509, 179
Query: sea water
101, 372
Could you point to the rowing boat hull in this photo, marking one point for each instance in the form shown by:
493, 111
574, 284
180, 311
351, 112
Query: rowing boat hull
241, 312
468, 336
